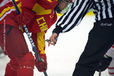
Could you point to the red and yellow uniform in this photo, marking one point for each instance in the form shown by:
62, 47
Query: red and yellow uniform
42, 9
45, 17
39, 16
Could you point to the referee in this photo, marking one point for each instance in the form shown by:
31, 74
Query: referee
101, 37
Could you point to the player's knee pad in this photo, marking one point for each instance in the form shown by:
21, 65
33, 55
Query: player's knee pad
26, 65
11, 68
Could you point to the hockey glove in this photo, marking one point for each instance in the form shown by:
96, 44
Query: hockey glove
104, 63
41, 65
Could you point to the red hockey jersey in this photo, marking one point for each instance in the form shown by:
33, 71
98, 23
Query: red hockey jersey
43, 10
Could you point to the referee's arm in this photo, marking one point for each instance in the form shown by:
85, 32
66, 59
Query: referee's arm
73, 16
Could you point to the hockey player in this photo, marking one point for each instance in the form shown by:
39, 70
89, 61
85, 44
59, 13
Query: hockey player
39, 16
110, 53
100, 38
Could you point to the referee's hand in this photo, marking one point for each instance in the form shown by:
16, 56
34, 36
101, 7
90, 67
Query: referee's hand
53, 39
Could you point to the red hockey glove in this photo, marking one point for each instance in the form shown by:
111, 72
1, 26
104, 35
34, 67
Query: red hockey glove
41, 66
24, 18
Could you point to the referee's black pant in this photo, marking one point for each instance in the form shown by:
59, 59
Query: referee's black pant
100, 39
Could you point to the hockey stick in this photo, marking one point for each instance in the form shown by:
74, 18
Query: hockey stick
29, 37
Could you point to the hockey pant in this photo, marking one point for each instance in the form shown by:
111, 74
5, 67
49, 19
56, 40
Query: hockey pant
14, 45
100, 39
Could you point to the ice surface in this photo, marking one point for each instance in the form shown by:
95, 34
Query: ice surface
63, 56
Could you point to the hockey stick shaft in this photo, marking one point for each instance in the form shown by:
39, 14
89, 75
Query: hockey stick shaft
34, 47
29, 36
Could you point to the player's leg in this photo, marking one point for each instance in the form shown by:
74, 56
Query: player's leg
110, 53
21, 60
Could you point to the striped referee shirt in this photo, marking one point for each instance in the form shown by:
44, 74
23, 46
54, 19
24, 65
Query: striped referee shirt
103, 9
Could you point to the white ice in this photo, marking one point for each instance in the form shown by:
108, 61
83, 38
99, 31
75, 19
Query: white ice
63, 56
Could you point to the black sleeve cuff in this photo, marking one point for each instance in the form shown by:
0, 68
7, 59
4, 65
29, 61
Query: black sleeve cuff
57, 30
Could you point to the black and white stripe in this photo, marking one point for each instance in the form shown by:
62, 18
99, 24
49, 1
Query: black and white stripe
102, 8
74, 15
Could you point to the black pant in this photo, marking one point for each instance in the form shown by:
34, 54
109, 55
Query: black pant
100, 39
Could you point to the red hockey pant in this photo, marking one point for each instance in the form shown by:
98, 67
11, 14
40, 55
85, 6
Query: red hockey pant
14, 45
